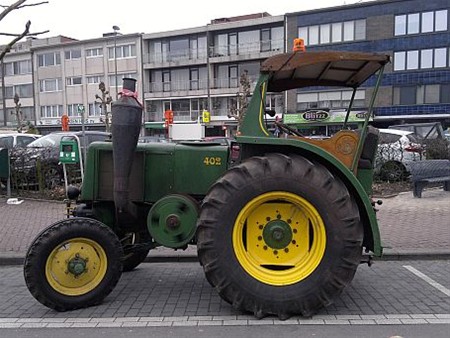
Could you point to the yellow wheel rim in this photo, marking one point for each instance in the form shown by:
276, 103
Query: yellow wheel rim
76, 266
279, 238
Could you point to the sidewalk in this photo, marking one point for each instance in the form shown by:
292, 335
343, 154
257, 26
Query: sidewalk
411, 228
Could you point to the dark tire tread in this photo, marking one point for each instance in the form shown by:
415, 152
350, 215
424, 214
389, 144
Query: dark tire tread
249, 175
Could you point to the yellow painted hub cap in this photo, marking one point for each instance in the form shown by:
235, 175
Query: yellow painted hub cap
76, 267
279, 238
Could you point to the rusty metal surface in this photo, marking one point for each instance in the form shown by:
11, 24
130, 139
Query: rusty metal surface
296, 70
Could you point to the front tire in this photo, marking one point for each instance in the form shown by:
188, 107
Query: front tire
72, 264
279, 235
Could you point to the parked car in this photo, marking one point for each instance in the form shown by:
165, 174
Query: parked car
395, 147
12, 140
422, 131
42, 156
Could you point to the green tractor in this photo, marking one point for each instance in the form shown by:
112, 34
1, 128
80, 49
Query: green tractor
280, 223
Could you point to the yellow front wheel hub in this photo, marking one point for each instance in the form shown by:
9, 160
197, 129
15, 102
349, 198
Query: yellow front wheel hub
279, 238
76, 267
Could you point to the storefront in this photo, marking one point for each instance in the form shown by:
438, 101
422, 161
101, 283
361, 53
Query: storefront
324, 122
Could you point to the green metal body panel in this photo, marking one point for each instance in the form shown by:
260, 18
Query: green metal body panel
158, 169
197, 167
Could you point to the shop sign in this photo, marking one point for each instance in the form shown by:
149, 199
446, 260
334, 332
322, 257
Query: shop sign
321, 116
315, 115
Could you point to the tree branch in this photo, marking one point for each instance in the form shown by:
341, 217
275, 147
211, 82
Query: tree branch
29, 34
10, 8
9, 45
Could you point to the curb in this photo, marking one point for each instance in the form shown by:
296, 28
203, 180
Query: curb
18, 259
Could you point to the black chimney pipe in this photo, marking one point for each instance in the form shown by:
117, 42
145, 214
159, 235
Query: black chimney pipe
125, 128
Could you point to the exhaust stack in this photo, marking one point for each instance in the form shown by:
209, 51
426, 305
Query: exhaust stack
125, 128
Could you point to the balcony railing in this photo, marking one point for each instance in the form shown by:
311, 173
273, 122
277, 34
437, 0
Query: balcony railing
247, 48
216, 51
217, 83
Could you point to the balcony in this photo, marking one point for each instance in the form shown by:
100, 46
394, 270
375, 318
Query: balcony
172, 58
187, 87
253, 49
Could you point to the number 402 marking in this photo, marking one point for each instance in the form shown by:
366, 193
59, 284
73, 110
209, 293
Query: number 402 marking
212, 160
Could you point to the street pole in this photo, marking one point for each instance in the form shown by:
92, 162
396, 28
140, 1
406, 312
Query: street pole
116, 28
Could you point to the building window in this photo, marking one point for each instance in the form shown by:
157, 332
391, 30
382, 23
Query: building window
426, 22
18, 68
400, 25
431, 94
166, 81
95, 109
72, 109
51, 111
120, 77
360, 29
405, 95
336, 32
399, 60
74, 81
50, 85
94, 52
23, 91
125, 51
49, 59
349, 31
441, 21
337, 99
426, 58
194, 79
94, 79
429, 58
303, 34
73, 54
313, 36
325, 33
412, 59
445, 93
440, 57
413, 23
265, 40
333, 33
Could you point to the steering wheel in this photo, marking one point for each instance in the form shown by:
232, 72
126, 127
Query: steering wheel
287, 129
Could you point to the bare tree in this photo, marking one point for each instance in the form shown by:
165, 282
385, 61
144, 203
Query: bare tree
238, 110
26, 32
105, 100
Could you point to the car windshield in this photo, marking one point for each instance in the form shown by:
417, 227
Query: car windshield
389, 138
50, 140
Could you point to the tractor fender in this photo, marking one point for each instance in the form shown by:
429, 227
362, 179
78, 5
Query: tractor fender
256, 146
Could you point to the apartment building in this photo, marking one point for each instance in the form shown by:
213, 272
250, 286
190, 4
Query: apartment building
67, 78
191, 70
416, 85
61, 76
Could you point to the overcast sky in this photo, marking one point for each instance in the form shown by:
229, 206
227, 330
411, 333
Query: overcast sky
86, 19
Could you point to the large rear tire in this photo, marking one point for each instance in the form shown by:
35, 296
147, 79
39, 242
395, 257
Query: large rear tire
72, 264
279, 235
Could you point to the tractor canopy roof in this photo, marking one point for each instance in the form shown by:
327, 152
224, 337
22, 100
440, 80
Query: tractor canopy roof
305, 69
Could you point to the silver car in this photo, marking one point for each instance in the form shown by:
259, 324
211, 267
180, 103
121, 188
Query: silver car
395, 147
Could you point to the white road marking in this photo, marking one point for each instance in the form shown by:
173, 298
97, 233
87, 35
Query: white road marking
427, 279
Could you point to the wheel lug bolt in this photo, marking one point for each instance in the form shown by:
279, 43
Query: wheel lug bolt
259, 238
294, 241
265, 247
294, 231
267, 219
275, 252
286, 250
261, 227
